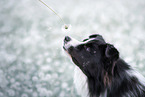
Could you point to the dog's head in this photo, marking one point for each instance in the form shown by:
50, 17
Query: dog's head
93, 55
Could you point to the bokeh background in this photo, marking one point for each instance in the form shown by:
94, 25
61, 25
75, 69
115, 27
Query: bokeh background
32, 61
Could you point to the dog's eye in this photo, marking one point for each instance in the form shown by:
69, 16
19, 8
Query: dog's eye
88, 49
79, 47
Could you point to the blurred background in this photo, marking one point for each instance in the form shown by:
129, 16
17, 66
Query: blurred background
32, 61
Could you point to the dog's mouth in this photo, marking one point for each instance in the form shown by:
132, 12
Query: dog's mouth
64, 48
66, 44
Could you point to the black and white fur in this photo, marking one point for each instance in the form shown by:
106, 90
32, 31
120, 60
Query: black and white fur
100, 72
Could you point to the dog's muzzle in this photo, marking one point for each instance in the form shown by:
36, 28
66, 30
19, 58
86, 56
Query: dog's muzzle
70, 42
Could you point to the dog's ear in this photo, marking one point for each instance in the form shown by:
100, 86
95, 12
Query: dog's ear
111, 52
110, 56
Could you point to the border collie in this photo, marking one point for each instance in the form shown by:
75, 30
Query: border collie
100, 72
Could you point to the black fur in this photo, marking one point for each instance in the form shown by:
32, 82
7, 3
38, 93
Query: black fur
105, 70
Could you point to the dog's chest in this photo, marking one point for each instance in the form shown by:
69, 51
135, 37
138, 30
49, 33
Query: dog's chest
80, 81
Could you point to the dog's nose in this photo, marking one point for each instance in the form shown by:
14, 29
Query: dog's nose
67, 39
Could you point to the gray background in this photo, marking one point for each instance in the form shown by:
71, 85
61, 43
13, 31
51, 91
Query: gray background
32, 61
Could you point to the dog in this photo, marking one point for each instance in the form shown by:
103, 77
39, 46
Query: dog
99, 70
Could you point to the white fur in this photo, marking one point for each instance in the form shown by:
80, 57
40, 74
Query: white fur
80, 81
73, 42
134, 73
137, 75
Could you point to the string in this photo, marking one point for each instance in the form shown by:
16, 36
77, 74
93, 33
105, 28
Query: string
52, 11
